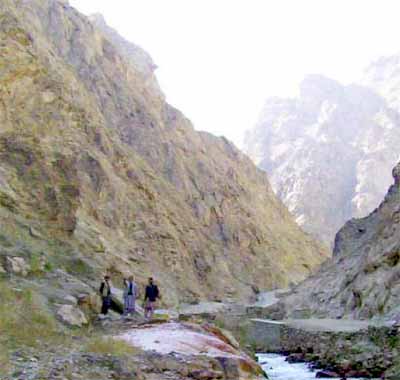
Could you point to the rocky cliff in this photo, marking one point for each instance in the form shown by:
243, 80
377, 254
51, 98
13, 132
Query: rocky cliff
328, 153
383, 77
98, 173
363, 278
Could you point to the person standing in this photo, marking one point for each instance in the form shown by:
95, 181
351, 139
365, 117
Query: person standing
130, 294
151, 295
105, 293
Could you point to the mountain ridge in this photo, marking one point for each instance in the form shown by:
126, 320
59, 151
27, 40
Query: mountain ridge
111, 178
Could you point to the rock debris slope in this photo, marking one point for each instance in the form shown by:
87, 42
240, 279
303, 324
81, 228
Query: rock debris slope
328, 153
98, 172
363, 278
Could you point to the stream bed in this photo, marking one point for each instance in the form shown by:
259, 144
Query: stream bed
277, 368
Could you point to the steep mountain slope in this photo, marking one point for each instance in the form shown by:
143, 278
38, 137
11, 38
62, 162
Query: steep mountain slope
328, 153
363, 278
98, 173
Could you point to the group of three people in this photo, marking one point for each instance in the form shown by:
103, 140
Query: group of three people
131, 293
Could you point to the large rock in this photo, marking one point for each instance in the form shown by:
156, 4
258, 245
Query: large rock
17, 265
71, 315
329, 152
118, 180
193, 341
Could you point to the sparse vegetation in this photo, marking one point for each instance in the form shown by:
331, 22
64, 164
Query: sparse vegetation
78, 266
220, 323
4, 360
36, 264
108, 345
24, 319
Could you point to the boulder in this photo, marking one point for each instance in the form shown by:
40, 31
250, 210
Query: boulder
89, 303
17, 265
71, 316
327, 375
194, 343
295, 358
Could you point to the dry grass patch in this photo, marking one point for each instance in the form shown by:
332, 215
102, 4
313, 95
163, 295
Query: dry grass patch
5, 363
109, 345
24, 318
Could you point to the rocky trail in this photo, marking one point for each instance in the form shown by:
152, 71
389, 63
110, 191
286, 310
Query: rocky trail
195, 342
131, 347
332, 325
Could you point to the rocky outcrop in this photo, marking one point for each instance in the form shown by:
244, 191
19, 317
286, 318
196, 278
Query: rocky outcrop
193, 340
112, 178
328, 153
363, 278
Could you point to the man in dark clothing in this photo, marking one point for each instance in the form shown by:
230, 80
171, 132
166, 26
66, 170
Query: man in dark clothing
105, 293
150, 298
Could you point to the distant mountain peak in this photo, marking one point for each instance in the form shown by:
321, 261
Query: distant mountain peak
329, 152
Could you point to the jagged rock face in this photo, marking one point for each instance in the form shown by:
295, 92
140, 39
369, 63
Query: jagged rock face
363, 278
110, 177
328, 153
383, 76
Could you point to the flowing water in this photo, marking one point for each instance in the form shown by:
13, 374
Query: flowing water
278, 369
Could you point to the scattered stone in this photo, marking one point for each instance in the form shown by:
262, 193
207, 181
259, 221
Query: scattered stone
17, 265
72, 316
71, 300
35, 233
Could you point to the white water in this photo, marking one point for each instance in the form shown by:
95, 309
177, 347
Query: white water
278, 369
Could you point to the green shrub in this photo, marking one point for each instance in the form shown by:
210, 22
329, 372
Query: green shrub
35, 264
48, 267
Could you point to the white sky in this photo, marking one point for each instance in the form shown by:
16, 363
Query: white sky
220, 59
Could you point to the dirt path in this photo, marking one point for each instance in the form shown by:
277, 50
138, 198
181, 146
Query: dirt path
326, 325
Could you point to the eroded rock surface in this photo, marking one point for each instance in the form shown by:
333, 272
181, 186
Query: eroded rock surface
191, 340
98, 173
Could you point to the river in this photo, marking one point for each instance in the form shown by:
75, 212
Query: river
278, 369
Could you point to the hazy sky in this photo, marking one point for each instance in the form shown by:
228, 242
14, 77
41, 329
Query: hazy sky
220, 59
